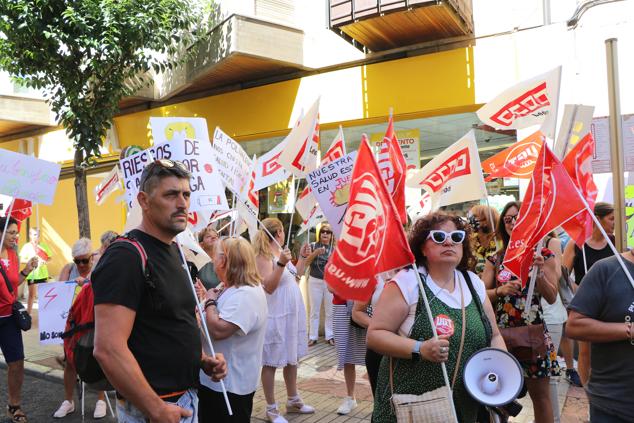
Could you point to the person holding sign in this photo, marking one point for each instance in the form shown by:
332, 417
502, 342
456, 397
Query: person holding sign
35, 248
147, 339
10, 334
285, 342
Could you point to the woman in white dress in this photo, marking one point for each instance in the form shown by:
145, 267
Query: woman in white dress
285, 342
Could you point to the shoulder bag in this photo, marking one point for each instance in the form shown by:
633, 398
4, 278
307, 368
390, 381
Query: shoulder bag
19, 313
433, 406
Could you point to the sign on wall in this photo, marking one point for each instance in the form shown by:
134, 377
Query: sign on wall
409, 141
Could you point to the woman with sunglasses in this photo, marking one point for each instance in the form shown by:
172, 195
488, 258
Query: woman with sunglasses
285, 340
400, 328
10, 334
319, 293
484, 243
510, 299
78, 271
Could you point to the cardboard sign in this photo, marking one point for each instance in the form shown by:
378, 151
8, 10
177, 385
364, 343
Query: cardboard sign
28, 178
230, 161
55, 299
330, 185
171, 129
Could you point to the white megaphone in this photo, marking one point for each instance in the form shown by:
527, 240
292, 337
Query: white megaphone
493, 377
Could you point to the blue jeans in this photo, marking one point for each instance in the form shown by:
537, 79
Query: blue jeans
128, 413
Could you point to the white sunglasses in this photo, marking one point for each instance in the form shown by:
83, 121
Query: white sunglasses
439, 237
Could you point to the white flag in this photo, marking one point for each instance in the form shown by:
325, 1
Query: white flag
108, 185
453, 176
336, 150
305, 203
249, 203
531, 102
299, 155
316, 217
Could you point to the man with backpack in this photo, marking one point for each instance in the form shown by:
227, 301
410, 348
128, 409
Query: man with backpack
146, 333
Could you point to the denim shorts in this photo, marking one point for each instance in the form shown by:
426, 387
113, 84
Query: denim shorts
11, 340
128, 413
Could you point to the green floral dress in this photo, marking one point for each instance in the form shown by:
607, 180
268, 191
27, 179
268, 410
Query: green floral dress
509, 312
482, 252
417, 377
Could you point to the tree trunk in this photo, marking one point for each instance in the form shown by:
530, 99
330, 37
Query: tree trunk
81, 195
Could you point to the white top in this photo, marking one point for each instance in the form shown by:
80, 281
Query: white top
408, 284
555, 313
246, 308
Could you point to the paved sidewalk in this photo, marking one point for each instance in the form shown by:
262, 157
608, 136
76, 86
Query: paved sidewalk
320, 385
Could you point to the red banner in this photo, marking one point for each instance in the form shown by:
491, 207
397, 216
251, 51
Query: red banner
578, 164
551, 200
393, 168
372, 239
517, 161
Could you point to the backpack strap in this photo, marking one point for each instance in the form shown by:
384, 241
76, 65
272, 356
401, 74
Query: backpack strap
488, 330
136, 244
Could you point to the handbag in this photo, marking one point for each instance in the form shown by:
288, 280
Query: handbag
526, 343
20, 315
433, 406
565, 287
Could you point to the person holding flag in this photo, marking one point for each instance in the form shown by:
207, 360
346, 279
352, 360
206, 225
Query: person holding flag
35, 248
483, 240
285, 341
509, 298
400, 328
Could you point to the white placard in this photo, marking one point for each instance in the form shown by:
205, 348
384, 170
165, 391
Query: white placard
601, 133
231, 162
330, 185
132, 167
167, 129
54, 299
28, 178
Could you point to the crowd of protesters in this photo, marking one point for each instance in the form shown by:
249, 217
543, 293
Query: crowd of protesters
147, 329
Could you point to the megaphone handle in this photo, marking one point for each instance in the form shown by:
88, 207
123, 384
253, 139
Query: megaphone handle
435, 335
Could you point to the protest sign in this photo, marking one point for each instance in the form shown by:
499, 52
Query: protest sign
55, 299
28, 178
107, 185
165, 129
132, 167
408, 139
330, 185
230, 161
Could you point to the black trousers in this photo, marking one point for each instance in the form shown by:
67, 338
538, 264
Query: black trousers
372, 364
212, 407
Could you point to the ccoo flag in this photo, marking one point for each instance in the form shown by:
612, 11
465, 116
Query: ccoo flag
372, 239
453, 176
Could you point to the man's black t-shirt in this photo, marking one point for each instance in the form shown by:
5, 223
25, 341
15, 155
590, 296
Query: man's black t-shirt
606, 295
164, 338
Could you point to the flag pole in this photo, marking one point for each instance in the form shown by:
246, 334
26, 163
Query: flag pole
430, 316
203, 320
531, 284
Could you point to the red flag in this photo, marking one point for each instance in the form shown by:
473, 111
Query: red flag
551, 200
372, 239
517, 161
21, 209
578, 164
393, 168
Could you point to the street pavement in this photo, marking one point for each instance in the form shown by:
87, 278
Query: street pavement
319, 383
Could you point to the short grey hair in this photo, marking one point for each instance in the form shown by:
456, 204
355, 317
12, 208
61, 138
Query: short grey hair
82, 247
107, 238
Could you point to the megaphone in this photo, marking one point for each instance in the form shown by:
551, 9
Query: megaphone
493, 377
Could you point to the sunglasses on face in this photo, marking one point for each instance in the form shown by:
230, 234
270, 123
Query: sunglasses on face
81, 261
510, 218
439, 237
326, 232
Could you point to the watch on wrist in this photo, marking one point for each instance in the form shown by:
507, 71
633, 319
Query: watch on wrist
281, 264
416, 355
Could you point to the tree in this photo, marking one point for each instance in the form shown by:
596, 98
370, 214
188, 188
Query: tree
86, 55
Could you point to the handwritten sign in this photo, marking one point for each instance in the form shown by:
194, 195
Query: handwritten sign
133, 165
231, 161
55, 299
330, 185
28, 178
170, 129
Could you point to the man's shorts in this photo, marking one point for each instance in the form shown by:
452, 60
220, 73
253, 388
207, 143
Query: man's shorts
11, 340
128, 413
35, 281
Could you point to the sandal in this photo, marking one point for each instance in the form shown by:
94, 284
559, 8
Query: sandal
331, 341
16, 414
312, 342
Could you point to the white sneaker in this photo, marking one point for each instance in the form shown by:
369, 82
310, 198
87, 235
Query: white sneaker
347, 406
100, 410
65, 409
298, 406
273, 415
